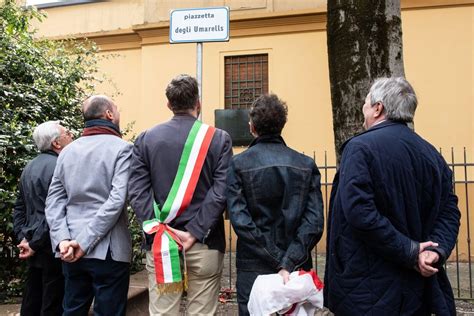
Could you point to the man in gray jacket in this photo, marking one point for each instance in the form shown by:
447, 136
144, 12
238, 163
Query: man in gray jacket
87, 216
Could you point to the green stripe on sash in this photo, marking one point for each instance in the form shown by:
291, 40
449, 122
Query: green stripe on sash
188, 146
175, 260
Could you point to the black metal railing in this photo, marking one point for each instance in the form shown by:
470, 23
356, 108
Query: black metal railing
459, 267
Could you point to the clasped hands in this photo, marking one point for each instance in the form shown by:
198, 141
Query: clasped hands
70, 251
426, 259
186, 239
25, 250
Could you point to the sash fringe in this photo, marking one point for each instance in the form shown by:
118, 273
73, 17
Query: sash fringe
173, 288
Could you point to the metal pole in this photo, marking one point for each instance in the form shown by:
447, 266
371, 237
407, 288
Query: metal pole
199, 73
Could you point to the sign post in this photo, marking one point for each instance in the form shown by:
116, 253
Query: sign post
199, 71
199, 25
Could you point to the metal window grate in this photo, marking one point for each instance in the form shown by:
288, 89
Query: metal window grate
246, 78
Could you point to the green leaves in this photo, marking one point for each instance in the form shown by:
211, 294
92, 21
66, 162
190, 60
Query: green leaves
40, 80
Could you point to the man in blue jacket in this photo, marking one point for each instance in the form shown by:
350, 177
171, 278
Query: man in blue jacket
274, 201
393, 218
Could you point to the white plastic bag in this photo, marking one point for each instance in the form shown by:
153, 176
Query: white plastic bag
301, 295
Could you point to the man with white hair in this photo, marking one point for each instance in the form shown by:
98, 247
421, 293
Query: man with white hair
87, 214
393, 217
44, 288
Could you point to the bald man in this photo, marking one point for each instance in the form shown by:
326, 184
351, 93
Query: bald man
87, 216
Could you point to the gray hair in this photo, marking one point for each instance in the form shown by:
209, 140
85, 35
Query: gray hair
397, 96
45, 133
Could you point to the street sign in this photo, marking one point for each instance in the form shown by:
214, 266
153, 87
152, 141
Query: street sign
199, 25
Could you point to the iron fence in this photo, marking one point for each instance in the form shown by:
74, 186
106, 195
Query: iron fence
458, 267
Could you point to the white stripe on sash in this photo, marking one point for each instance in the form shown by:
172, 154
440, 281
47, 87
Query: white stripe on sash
166, 257
187, 172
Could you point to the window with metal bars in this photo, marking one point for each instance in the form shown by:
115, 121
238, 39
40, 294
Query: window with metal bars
246, 78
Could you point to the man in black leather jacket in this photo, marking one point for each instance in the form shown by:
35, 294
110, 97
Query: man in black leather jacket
274, 201
44, 288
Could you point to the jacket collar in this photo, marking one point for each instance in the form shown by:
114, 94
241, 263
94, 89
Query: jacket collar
50, 152
101, 122
373, 128
271, 138
382, 125
183, 116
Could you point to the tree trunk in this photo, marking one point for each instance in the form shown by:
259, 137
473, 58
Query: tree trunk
364, 43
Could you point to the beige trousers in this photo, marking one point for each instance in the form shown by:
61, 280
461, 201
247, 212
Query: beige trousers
204, 268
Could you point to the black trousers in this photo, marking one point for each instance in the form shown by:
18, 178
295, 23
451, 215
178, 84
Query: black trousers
44, 290
245, 280
105, 281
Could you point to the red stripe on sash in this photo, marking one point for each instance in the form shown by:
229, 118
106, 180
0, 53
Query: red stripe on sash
160, 277
188, 195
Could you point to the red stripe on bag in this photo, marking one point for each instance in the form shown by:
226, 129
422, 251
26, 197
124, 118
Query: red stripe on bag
291, 310
317, 282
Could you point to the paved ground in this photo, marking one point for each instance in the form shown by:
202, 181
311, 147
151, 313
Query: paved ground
10, 310
458, 274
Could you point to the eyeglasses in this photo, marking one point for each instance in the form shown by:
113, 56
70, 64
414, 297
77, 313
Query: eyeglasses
65, 133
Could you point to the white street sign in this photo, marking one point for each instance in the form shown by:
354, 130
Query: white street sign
199, 25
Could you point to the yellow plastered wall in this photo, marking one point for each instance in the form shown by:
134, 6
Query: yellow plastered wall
91, 17
114, 15
159, 64
123, 81
299, 76
141, 77
439, 62
438, 56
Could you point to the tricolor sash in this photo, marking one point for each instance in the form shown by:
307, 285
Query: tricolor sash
166, 245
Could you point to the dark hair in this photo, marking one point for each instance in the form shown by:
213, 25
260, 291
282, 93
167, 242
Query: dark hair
95, 107
182, 93
268, 114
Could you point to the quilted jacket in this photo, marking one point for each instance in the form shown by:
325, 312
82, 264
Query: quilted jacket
392, 191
